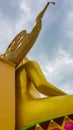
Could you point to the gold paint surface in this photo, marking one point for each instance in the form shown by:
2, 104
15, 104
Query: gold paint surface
30, 109
7, 96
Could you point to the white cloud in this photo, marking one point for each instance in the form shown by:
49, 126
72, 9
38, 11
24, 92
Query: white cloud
68, 87
5, 33
67, 22
59, 71
67, 26
25, 16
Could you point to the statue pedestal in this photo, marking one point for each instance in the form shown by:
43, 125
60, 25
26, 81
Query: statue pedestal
7, 95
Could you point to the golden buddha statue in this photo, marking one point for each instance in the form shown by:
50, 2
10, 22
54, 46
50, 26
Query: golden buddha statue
30, 82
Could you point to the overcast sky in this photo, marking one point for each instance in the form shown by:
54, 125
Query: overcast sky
53, 49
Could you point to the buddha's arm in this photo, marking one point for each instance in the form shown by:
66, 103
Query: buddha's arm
37, 77
25, 89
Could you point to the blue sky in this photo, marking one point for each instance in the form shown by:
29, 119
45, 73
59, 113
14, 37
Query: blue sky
54, 47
